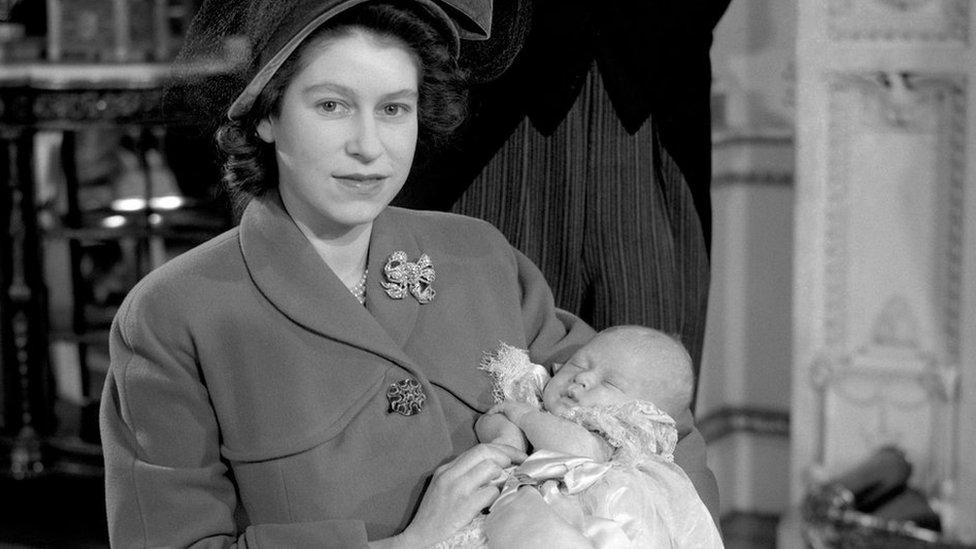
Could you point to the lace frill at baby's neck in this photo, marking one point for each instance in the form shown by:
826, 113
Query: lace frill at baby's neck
637, 429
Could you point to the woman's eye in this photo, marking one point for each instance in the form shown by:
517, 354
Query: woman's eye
330, 106
395, 109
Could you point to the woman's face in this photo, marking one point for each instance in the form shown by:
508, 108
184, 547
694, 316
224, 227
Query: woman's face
346, 132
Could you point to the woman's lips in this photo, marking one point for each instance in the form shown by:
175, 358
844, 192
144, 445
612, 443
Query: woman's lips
361, 183
361, 177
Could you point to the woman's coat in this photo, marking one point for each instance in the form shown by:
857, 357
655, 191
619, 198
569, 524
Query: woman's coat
246, 400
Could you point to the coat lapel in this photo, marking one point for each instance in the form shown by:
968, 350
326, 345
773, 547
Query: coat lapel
397, 316
288, 272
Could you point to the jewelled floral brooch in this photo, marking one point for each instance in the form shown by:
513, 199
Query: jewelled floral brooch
405, 276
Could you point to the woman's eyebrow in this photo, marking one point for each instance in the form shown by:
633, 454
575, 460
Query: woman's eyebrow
406, 93
327, 86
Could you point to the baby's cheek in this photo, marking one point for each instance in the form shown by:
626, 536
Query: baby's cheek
596, 396
550, 401
551, 391
615, 397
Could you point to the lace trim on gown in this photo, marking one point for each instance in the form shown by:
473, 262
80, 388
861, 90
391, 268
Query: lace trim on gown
637, 429
514, 376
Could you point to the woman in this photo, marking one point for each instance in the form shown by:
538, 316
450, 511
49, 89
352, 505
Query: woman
309, 377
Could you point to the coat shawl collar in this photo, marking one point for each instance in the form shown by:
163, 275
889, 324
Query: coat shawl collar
291, 275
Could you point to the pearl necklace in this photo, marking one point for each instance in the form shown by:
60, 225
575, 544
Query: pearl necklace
359, 290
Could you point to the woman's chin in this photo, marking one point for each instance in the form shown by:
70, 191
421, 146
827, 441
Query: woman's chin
354, 213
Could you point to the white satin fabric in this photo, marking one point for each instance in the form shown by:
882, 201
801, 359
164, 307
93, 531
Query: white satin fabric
555, 500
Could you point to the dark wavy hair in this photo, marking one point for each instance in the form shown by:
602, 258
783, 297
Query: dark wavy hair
249, 166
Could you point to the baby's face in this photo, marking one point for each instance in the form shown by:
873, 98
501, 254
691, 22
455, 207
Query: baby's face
603, 372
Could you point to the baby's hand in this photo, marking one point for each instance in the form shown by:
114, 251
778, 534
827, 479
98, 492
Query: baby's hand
498, 429
513, 410
513, 436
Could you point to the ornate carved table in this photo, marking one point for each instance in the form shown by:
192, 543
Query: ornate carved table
48, 96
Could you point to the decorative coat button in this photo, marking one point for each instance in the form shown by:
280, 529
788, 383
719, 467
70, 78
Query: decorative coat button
406, 397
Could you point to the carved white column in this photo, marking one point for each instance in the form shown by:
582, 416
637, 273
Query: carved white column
885, 244
743, 399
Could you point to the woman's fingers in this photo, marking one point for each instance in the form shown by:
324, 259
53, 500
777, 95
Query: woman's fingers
476, 470
460, 489
485, 472
501, 455
485, 496
513, 454
466, 476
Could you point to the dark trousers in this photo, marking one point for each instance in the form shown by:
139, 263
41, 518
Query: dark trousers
606, 215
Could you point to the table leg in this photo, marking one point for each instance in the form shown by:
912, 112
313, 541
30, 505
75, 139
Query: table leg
28, 404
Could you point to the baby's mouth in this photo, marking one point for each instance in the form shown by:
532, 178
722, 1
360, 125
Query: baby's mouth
569, 401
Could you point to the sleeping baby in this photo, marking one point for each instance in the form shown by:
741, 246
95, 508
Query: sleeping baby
602, 435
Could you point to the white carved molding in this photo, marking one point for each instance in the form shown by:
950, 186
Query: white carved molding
889, 363
899, 20
753, 158
897, 139
754, 178
889, 391
906, 5
885, 246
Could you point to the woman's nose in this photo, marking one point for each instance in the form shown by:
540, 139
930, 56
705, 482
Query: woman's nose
364, 143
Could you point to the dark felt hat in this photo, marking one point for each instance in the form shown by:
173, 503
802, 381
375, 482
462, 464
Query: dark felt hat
273, 30
486, 60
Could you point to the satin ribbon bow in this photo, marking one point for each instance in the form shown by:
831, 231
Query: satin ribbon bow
405, 276
572, 474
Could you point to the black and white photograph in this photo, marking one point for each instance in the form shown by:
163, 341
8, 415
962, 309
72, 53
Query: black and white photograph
488, 274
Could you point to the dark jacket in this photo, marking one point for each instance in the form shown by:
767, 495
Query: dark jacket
653, 57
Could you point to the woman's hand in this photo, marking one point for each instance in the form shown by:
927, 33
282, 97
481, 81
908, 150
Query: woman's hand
458, 491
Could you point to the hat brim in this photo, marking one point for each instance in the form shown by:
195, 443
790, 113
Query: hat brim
486, 60
476, 27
